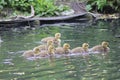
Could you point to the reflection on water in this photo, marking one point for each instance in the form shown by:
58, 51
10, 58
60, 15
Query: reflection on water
93, 67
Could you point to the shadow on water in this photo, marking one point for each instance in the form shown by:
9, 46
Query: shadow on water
14, 41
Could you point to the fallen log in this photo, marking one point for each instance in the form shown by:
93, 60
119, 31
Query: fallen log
79, 9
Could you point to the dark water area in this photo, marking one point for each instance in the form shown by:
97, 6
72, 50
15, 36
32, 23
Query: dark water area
14, 41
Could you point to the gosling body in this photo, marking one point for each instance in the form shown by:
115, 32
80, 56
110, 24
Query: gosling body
83, 49
48, 52
45, 46
31, 53
103, 48
63, 50
56, 40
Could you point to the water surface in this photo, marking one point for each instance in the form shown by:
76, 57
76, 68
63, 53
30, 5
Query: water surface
93, 67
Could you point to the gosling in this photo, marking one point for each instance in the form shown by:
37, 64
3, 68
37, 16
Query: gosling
46, 53
31, 53
83, 49
45, 46
63, 50
56, 40
103, 48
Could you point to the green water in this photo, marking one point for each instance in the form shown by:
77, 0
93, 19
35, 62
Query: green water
93, 67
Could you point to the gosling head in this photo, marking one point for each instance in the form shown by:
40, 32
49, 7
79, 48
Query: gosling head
66, 46
57, 35
85, 46
36, 50
51, 49
105, 44
49, 42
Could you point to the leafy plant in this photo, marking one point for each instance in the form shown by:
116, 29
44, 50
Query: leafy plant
88, 7
41, 7
2, 3
22, 5
104, 5
47, 8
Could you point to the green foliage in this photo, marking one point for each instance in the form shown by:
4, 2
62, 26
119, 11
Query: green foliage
41, 7
88, 7
47, 8
101, 5
2, 3
22, 5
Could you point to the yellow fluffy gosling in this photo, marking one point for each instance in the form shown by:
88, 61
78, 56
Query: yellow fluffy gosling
56, 40
45, 53
82, 49
31, 53
103, 48
45, 46
63, 50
